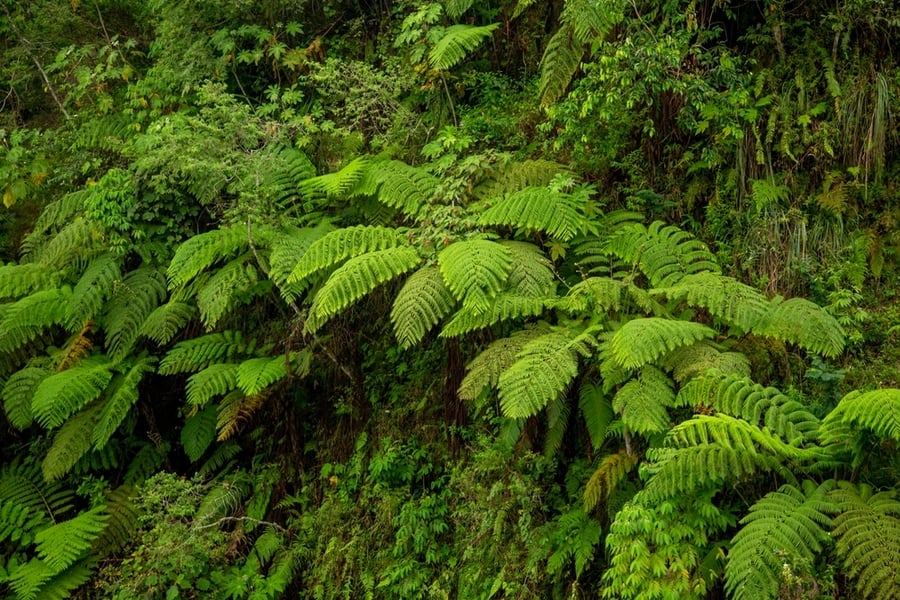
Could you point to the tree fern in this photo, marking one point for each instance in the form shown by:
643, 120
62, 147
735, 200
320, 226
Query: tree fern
485, 369
543, 370
783, 526
475, 271
357, 277
341, 244
221, 292
538, 208
121, 522
200, 352
503, 308
19, 280
71, 442
214, 380
199, 432
867, 530
24, 484
420, 305
594, 295
806, 324
701, 357
201, 251
557, 423
403, 187
135, 298
724, 297
456, 42
59, 586
611, 471
643, 401
166, 321
18, 393
25, 319
62, 394
62, 544
76, 240
121, 396
643, 341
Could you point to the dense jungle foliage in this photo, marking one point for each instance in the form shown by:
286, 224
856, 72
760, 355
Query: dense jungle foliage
449, 299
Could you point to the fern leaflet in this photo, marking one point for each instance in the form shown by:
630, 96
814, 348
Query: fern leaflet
456, 42
121, 397
198, 432
62, 394
804, 323
403, 187
93, 289
642, 402
135, 298
341, 244
485, 369
503, 308
214, 380
256, 374
644, 340
538, 208
203, 250
18, 393
597, 412
166, 321
71, 442
24, 320
420, 305
475, 271
732, 301
878, 410
64, 543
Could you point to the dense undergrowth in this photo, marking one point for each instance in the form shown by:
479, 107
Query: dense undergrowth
410, 299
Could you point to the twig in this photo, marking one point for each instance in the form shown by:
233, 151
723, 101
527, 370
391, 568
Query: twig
241, 519
37, 63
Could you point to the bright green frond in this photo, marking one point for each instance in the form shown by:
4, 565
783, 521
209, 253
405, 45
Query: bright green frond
726, 298
557, 423
475, 271
166, 321
64, 543
878, 410
402, 186
28, 579
24, 320
597, 412
256, 374
544, 368
341, 244
20, 280
18, 393
518, 175
867, 530
62, 394
701, 357
594, 295
531, 273
71, 442
200, 352
93, 289
804, 323
642, 341
420, 305
25, 485
134, 299
340, 183
359, 276
782, 527
485, 369
643, 401
538, 208
224, 289
214, 380
590, 18
287, 250
559, 63
456, 8
203, 250
456, 42
75, 241
121, 396
199, 432
503, 308
609, 473
62, 585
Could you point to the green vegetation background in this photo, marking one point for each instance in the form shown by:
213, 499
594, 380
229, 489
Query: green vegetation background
411, 299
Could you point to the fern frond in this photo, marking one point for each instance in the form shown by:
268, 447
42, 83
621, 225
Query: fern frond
878, 411
75, 241
121, 523
18, 393
166, 321
804, 323
221, 456
357, 277
341, 244
642, 402
256, 374
867, 530
21, 280
214, 380
287, 250
504, 308
121, 396
339, 183
203, 250
456, 8
609, 473
701, 357
147, 461
594, 295
456, 42
543, 370
234, 409
199, 432
742, 398
557, 423
62, 394
420, 305
403, 187
724, 297
200, 352
71, 442
559, 63
642, 341
62, 544
25, 485
540, 209
290, 167
485, 369
135, 297
25, 319
223, 289
93, 289
597, 412
59, 212
475, 271
588, 20
61, 585
783, 526
28, 579
531, 274
77, 348
517, 175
